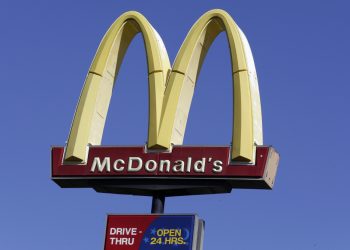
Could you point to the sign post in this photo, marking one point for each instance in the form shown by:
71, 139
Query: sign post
164, 167
158, 204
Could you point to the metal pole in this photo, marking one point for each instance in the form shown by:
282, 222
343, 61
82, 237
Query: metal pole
158, 202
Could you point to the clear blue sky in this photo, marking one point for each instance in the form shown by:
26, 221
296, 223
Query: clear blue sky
301, 50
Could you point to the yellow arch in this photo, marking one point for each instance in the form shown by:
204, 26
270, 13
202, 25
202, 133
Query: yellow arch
170, 95
89, 119
247, 128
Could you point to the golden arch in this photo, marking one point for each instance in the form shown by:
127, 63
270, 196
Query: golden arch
90, 116
171, 90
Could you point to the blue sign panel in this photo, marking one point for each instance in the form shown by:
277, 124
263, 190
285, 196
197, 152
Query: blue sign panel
169, 231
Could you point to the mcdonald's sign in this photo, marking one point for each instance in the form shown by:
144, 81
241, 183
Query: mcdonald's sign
164, 165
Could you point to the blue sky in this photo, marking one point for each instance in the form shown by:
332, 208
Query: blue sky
301, 51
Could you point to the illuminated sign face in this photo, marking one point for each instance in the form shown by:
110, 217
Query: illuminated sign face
170, 94
157, 232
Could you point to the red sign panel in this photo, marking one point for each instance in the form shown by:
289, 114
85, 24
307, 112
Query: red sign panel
108, 166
